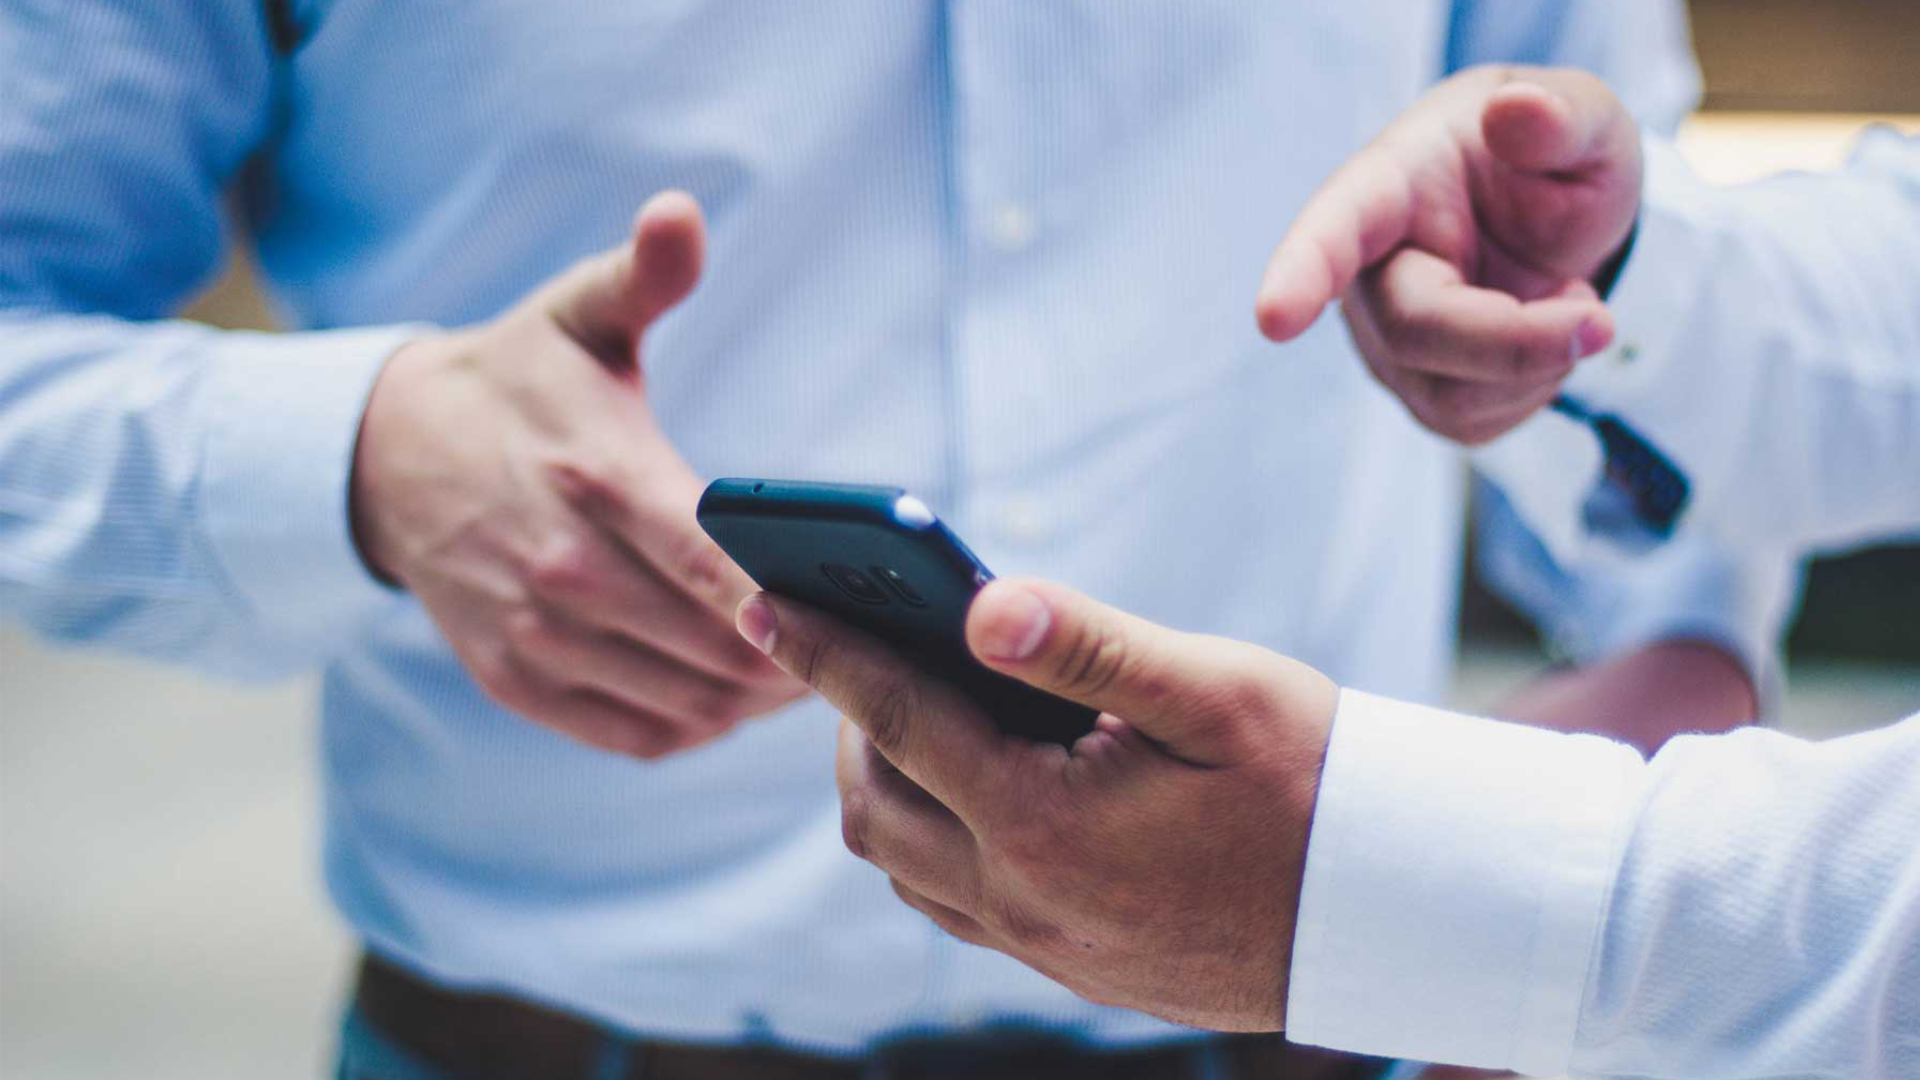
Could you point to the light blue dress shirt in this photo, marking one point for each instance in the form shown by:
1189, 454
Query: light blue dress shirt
1000, 252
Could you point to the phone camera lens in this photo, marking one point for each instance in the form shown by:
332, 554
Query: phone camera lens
855, 583
900, 585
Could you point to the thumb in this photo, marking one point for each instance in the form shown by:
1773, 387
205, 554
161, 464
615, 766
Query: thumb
1207, 700
607, 302
1560, 122
1570, 191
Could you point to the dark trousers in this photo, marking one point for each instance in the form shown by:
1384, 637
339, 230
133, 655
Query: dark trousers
402, 1027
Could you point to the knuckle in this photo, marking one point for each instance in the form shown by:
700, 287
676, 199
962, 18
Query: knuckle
1481, 433
1520, 360
953, 922
1415, 390
1245, 694
856, 821
907, 895
528, 632
1420, 405
954, 925
1020, 926
1459, 402
503, 681
1534, 362
1093, 660
646, 738
720, 707
813, 659
1028, 841
1449, 398
1414, 330
649, 746
1386, 370
749, 667
1415, 399
563, 566
889, 710
702, 565
588, 486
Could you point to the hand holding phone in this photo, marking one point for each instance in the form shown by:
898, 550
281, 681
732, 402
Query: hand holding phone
878, 558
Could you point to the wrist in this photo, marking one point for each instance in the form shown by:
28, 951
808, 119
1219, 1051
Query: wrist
370, 488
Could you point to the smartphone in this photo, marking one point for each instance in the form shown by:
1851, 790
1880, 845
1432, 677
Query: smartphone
876, 557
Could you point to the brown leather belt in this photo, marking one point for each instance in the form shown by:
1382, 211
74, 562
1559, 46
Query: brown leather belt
474, 1036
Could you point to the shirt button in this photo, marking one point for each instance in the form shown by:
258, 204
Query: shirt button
1010, 229
1023, 521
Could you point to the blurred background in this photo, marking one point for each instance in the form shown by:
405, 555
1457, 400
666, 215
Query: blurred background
160, 906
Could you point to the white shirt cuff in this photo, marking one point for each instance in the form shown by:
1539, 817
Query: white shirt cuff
1456, 879
278, 468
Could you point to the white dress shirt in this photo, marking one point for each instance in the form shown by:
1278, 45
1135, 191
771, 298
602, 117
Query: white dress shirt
1769, 343
1745, 905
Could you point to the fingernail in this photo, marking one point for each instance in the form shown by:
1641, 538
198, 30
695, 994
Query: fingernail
757, 623
1593, 335
1017, 625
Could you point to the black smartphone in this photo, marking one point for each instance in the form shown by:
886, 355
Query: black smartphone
876, 557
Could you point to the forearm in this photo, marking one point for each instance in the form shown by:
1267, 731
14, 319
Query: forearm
1644, 697
1683, 638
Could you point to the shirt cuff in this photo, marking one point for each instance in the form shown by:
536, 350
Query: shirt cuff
1457, 875
285, 415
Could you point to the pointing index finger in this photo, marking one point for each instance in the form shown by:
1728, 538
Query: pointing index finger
1356, 218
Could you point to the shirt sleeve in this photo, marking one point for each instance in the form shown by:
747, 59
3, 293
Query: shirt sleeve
1457, 874
1770, 346
1492, 895
1593, 607
1694, 587
168, 489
